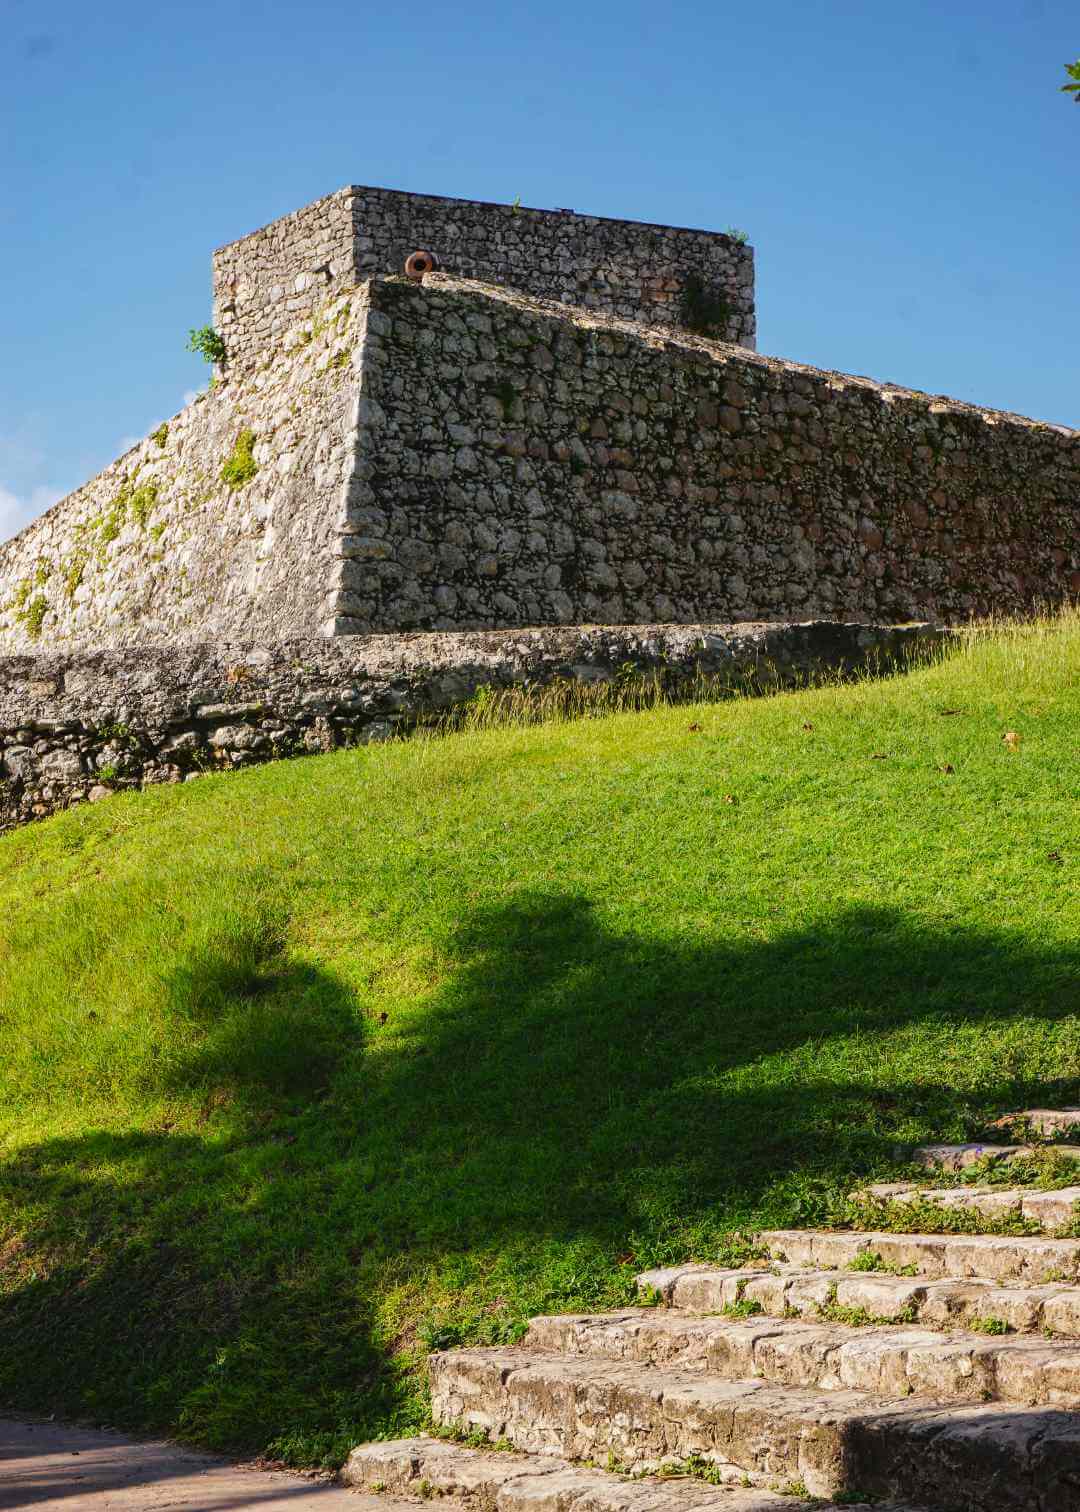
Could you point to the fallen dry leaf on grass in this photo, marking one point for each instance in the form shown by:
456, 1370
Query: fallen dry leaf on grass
695, 729
1011, 739
947, 767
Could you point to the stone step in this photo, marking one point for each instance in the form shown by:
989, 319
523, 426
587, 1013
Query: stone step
1051, 1211
1028, 1258
946, 1303
973, 1458
1049, 1122
885, 1361
957, 1157
502, 1481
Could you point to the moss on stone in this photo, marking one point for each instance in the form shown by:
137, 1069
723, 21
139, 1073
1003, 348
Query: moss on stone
240, 466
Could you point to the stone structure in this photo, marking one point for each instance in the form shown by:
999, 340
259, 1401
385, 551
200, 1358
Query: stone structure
661, 275
79, 726
382, 454
454, 456
913, 1371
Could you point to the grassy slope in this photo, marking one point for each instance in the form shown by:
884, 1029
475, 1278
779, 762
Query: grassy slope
313, 1067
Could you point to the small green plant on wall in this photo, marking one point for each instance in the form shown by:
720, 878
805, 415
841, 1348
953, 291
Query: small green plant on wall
240, 466
704, 311
205, 342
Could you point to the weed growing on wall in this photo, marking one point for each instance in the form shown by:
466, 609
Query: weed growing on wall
160, 435
205, 342
240, 466
28, 607
703, 310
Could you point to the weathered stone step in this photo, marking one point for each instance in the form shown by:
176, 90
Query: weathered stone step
973, 1458
958, 1157
1029, 1258
1049, 1122
1051, 1211
886, 1298
502, 1481
883, 1361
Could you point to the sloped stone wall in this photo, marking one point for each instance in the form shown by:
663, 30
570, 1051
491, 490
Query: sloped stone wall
529, 464
77, 727
162, 546
266, 282
454, 456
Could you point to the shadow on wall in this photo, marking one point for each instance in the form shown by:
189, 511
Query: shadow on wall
570, 1098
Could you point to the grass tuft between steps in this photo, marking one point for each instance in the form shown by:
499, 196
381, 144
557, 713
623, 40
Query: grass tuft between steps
309, 1069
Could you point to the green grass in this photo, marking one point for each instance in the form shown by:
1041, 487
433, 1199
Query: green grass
311, 1067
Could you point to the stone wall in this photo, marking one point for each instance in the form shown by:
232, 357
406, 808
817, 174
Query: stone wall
78, 727
160, 546
529, 464
454, 456
267, 281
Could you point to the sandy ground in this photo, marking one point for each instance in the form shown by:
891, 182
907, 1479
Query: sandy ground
53, 1468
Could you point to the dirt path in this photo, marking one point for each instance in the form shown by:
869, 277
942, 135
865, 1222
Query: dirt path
48, 1467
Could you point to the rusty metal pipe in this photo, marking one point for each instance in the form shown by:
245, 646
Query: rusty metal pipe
419, 263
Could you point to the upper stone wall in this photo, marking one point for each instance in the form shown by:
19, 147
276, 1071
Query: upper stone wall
265, 282
528, 464
454, 456
161, 547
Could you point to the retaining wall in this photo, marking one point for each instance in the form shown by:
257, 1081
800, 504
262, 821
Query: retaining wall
79, 727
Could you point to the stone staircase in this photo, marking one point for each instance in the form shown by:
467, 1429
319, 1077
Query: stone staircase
918, 1372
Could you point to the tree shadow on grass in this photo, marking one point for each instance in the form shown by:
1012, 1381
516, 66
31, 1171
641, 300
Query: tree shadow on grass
570, 1106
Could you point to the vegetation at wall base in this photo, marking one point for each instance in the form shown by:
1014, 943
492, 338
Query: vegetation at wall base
312, 1068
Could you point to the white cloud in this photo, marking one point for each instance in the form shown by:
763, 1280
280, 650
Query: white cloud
17, 511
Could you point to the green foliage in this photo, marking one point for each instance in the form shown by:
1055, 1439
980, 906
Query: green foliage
205, 342
32, 614
703, 310
437, 1035
74, 570
128, 502
738, 235
1073, 71
869, 1261
743, 1308
28, 607
161, 435
989, 1325
141, 503
239, 467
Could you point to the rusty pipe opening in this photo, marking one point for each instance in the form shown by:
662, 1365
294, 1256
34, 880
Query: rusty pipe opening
419, 263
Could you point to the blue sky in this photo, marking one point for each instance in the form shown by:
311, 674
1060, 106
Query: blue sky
907, 175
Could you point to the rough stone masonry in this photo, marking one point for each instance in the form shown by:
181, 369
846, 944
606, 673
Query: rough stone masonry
381, 454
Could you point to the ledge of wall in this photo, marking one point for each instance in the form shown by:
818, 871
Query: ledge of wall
78, 727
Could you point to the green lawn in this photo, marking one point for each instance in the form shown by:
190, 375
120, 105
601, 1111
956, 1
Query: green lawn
311, 1068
